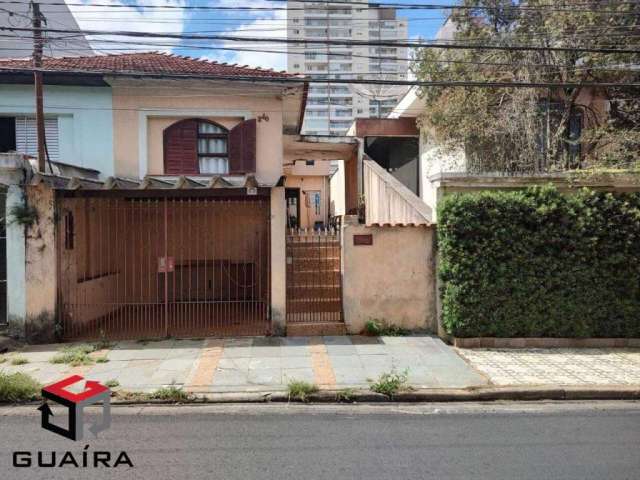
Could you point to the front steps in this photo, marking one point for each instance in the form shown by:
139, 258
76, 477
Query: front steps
316, 329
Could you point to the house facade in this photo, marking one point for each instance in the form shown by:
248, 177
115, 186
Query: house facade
164, 207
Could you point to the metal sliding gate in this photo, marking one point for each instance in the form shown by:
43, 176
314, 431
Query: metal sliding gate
139, 267
314, 281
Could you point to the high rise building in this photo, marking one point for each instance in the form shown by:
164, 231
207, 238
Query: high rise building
331, 108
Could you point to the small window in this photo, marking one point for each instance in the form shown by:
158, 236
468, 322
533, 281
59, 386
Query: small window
212, 148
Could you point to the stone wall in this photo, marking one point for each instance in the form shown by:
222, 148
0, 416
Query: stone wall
392, 280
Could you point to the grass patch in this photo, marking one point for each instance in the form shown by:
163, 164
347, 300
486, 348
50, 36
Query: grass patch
382, 328
345, 395
112, 383
391, 383
172, 393
102, 359
19, 361
2, 359
75, 355
300, 390
18, 387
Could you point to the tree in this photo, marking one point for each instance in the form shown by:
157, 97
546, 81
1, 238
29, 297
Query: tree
509, 129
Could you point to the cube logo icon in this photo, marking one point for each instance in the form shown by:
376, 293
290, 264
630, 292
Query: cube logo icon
61, 393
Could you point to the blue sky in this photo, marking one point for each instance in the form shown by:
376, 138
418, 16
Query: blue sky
267, 23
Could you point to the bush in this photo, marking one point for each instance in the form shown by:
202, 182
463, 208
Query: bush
18, 387
537, 263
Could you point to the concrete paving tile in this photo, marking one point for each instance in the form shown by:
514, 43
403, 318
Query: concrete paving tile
238, 342
265, 362
240, 363
295, 341
395, 340
350, 376
345, 361
273, 351
383, 361
372, 349
179, 353
265, 376
336, 340
176, 364
296, 362
267, 342
302, 374
161, 377
230, 377
365, 340
237, 352
138, 354
295, 351
341, 350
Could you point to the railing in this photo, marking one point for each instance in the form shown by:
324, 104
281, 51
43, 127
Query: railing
388, 201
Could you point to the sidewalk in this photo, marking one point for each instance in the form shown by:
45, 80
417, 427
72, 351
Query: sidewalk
262, 364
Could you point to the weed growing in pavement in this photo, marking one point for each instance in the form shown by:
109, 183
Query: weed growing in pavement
19, 361
391, 383
112, 383
18, 387
172, 393
381, 328
300, 390
345, 395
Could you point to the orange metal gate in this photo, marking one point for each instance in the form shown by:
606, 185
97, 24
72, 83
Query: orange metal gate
140, 267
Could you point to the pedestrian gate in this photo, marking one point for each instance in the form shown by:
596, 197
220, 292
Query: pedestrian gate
314, 281
138, 267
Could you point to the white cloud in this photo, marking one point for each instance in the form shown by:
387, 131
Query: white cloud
267, 24
132, 19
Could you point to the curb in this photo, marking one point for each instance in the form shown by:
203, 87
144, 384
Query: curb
482, 394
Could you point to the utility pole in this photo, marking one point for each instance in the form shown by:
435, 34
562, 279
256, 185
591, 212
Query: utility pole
37, 77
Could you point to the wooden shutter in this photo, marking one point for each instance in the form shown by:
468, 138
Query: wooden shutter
242, 147
181, 148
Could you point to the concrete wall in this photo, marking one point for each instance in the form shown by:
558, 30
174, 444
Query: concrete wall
16, 282
278, 262
392, 280
142, 111
41, 267
85, 121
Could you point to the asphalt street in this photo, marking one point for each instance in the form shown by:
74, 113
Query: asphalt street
543, 440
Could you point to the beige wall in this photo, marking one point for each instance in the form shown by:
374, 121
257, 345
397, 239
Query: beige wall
139, 111
40, 266
306, 184
392, 280
278, 262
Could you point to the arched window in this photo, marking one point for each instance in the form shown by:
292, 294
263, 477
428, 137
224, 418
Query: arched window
196, 146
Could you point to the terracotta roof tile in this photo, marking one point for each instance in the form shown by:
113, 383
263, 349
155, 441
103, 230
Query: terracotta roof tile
150, 62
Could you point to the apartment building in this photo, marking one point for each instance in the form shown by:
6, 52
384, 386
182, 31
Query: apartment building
331, 108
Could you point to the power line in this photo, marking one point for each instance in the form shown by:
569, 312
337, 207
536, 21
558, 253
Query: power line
336, 6
143, 46
319, 41
308, 79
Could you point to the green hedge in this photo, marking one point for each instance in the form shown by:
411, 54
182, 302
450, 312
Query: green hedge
537, 263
